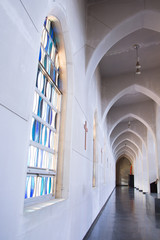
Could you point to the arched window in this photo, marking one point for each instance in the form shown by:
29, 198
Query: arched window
44, 134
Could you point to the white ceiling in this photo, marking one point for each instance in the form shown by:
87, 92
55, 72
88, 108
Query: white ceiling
131, 99
121, 58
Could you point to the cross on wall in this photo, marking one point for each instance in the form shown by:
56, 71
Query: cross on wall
86, 130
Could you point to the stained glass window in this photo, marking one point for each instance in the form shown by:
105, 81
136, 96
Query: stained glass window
44, 133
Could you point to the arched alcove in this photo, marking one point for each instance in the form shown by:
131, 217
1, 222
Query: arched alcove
123, 167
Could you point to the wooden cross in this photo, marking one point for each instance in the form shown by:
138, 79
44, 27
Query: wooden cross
86, 130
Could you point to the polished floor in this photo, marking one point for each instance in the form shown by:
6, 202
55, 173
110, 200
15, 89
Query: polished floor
125, 217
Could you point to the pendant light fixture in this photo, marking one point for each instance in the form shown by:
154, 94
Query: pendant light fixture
138, 66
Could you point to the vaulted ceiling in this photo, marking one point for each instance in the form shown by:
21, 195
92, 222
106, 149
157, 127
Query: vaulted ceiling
117, 67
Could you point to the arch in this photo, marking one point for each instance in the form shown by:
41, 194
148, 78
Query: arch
137, 88
123, 166
124, 148
135, 128
144, 19
57, 11
127, 156
133, 116
128, 143
126, 139
125, 151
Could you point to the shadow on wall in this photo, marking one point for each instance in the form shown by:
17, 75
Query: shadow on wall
123, 166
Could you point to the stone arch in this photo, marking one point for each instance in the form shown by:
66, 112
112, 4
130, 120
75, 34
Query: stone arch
131, 142
128, 143
144, 19
126, 151
131, 138
123, 91
136, 117
122, 128
130, 131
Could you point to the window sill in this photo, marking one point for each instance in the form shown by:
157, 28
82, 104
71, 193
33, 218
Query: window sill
38, 206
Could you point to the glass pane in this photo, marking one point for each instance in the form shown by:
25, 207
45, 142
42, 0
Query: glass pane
33, 157
57, 61
38, 185
30, 190
40, 81
48, 91
53, 53
35, 130
50, 47
35, 103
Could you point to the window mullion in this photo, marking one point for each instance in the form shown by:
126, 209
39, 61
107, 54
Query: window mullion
38, 145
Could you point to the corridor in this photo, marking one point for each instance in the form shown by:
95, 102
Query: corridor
125, 217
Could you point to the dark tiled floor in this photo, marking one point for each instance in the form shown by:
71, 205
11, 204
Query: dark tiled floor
125, 217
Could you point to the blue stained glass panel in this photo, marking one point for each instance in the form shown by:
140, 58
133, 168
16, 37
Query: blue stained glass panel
37, 130
45, 136
41, 134
27, 179
49, 66
33, 130
36, 158
59, 83
48, 113
40, 54
29, 187
32, 186
49, 190
46, 181
54, 75
49, 138
40, 104
42, 186
50, 117
50, 47
45, 62
46, 47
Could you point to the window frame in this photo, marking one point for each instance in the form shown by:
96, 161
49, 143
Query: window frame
44, 172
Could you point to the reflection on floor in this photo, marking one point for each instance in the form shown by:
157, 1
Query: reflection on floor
125, 217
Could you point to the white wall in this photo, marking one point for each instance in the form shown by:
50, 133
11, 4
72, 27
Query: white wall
21, 23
